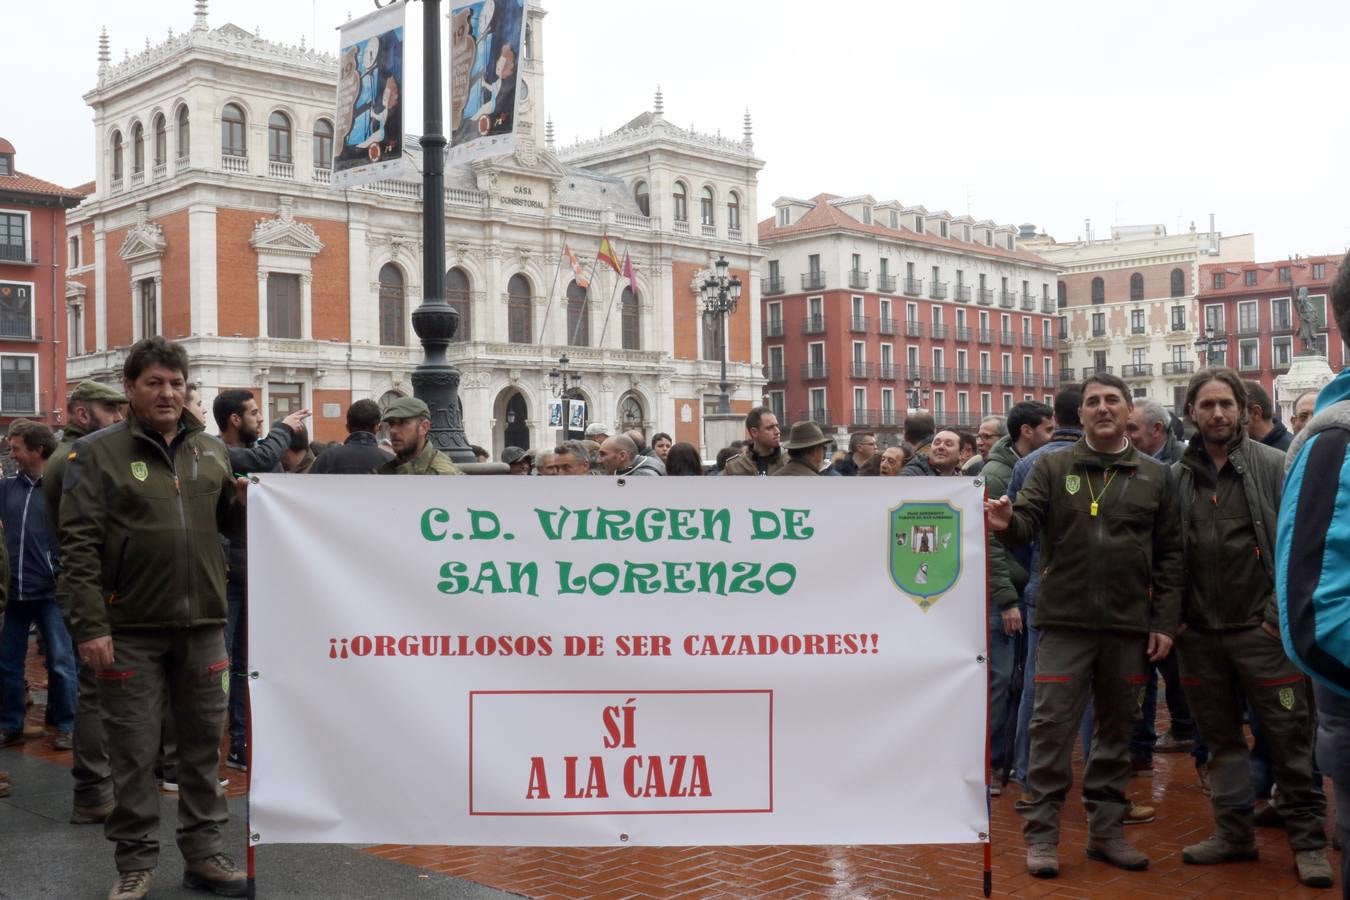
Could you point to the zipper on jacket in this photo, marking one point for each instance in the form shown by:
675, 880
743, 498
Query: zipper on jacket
182, 521
23, 535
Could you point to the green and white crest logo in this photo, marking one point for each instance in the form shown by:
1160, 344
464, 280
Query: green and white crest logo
1072, 483
925, 550
140, 471
1287, 698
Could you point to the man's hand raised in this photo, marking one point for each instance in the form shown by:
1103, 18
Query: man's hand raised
998, 513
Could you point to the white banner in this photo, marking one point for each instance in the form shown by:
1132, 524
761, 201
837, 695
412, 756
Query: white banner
368, 144
486, 43
584, 661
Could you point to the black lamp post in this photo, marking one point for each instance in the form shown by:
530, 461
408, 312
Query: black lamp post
720, 296
1208, 344
563, 381
435, 381
918, 394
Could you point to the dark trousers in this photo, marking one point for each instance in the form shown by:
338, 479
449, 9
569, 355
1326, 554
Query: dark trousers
1072, 666
1333, 748
193, 664
1002, 659
1183, 728
89, 763
1215, 666
236, 642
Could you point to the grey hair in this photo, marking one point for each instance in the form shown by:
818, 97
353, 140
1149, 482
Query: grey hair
1154, 412
1000, 421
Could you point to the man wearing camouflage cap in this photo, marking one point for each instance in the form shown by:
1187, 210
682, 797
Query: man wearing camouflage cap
409, 422
91, 407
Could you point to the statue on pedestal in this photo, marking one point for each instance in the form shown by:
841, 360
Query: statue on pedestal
1307, 322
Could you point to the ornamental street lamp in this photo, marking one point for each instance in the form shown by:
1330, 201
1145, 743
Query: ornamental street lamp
563, 382
918, 394
435, 381
1209, 344
720, 296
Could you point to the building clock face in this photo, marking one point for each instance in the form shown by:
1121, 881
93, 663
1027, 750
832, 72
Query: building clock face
524, 95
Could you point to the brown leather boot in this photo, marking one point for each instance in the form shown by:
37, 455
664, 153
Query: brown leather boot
216, 873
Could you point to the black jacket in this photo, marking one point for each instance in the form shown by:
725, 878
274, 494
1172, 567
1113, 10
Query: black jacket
1279, 437
264, 456
358, 455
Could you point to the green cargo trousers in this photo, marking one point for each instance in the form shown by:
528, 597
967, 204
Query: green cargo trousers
1218, 668
1073, 664
93, 777
192, 662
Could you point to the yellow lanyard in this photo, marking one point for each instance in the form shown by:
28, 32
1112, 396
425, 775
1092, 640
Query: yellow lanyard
1111, 474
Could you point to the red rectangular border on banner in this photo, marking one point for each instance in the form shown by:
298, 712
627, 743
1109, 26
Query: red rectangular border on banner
622, 812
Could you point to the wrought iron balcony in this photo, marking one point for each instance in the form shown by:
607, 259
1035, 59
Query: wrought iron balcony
886, 325
813, 281
770, 286
915, 373
962, 376
914, 286
1138, 370
1005, 338
775, 374
940, 374
886, 284
1047, 305
962, 333
860, 324
773, 328
913, 328
962, 294
1029, 302
986, 297
938, 331
1066, 375
861, 370
937, 290
815, 371
1089, 371
888, 372
813, 325
1007, 299
820, 416
986, 336
986, 376
858, 279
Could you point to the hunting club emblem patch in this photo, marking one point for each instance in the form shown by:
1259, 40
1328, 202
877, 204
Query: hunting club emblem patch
139, 470
925, 550
1287, 698
1072, 484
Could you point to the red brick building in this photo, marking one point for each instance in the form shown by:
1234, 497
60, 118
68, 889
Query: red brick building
870, 309
1250, 307
32, 292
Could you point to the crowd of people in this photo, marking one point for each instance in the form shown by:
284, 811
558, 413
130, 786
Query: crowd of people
1119, 553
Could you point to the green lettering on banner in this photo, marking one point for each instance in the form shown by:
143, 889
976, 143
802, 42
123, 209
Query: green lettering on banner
437, 516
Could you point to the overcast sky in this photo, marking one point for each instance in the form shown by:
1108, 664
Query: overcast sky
1150, 111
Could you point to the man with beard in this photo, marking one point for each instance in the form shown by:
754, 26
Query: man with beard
1110, 595
409, 422
1229, 488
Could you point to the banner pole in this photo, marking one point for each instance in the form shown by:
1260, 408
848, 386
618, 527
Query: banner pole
988, 712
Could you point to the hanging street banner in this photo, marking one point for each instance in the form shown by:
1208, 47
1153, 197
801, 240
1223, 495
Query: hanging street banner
597, 661
486, 40
368, 145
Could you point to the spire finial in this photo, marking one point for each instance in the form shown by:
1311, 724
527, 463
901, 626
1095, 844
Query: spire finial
199, 20
749, 139
104, 51
660, 108
548, 133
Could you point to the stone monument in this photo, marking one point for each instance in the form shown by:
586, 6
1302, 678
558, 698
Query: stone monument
1310, 370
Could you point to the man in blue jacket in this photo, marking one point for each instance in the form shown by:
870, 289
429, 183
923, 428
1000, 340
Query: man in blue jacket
30, 542
1313, 587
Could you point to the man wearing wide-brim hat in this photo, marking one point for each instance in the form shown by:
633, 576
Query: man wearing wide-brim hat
805, 445
409, 422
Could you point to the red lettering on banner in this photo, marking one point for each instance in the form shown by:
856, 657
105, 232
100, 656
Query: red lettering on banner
538, 787
643, 644
583, 645
595, 779
655, 783
614, 736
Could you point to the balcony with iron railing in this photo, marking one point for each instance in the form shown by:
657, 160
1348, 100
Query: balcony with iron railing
1066, 375
771, 285
1089, 371
19, 253
1029, 379
962, 293
888, 371
986, 376
1005, 338
1007, 299
1248, 328
858, 279
886, 325
962, 334
1028, 340
915, 373
1098, 331
1028, 302
961, 376
1048, 342
1179, 326
886, 283
775, 374
986, 297
860, 324
1281, 325
1137, 370
858, 369
939, 331
937, 290
985, 336
939, 375
913, 286
1138, 329
813, 325
815, 371
876, 418
1007, 378
1177, 367
820, 416
813, 281
1047, 305
17, 327
913, 328
773, 328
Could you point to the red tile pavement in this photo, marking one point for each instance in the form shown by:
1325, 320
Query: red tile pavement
610, 873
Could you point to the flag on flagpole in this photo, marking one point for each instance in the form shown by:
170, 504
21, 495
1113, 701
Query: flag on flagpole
582, 281
628, 273
607, 256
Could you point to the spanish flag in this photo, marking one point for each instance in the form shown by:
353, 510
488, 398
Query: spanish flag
607, 255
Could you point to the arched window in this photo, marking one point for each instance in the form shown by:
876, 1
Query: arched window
578, 316
457, 295
643, 198
1062, 298
519, 312
1136, 287
628, 312
161, 141
323, 144
391, 306
279, 138
1098, 291
733, 211
184, 133
681, 212
1178, 283
705, 206
137, 149
117, 155
232, 131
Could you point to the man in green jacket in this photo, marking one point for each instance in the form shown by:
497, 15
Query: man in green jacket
91, 406
144, 586
1229, 488
409, 422
1110, 599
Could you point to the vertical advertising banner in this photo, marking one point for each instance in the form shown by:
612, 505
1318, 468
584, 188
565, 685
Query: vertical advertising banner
368, 145
486, 40
598, 661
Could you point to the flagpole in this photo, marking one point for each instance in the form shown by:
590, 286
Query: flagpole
609, 309
590, 279
553, 287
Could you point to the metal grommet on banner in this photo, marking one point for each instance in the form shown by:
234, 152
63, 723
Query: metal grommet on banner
254, 675
979, 482
254, 479
621, 482
624, 837
984, 835
979, 659
254, 837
